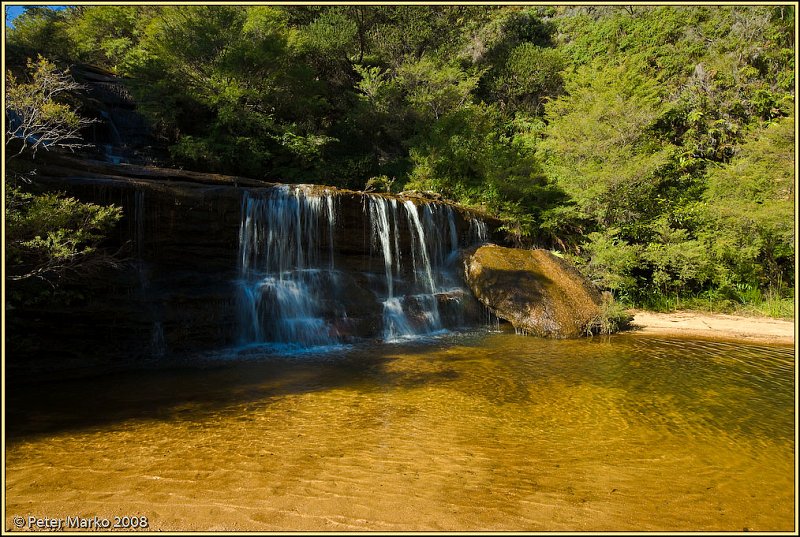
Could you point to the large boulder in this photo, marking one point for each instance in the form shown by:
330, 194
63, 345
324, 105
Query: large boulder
538, 292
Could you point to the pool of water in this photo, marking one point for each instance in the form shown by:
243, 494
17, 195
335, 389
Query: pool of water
480, 431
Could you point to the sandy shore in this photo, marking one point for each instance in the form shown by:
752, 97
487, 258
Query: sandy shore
690, 323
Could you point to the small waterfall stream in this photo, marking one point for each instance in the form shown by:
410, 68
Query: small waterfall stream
414, 308
288, 279
158, 345
283, 272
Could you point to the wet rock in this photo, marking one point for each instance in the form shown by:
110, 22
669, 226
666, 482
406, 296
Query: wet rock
539, 293
176, 293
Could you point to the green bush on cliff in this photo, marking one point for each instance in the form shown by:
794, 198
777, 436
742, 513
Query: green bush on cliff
49, 237
39, 114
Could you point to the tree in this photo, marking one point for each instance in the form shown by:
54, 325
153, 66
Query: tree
467, 155
36, 114
435, 89
748, 211
529, 76
40, 30
48, 236
411, 32
105, 34
601, 149
629, 138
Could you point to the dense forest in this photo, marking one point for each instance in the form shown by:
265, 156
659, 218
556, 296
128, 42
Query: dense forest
652, 145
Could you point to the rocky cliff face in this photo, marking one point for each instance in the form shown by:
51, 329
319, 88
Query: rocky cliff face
539, 293
120, 133
184, 286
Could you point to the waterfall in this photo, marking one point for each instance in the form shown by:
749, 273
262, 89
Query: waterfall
158, 346
411, 301
116, 140
138, 218
419, 249
291, 291
283, 279
383, 230
477, 231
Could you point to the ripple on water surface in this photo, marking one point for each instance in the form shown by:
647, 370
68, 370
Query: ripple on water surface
460, 432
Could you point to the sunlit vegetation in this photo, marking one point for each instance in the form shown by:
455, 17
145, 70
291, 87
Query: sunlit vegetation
49, 237
652, 145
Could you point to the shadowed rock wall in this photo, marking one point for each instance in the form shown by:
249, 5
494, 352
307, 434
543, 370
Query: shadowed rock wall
175, 293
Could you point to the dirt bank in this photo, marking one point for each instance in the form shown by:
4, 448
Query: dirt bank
690, 323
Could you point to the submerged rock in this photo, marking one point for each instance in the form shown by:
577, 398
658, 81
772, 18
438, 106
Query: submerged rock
539, 293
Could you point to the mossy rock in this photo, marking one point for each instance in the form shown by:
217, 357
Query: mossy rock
539, 293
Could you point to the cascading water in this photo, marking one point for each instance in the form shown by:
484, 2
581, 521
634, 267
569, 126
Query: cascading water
138, 219
411, 305
477, 230
288, 281
283, 274
383, 220
158, 346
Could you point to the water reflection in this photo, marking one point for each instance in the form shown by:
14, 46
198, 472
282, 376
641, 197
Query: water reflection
462, 432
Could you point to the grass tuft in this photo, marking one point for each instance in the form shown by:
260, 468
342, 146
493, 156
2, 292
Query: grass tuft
612, 318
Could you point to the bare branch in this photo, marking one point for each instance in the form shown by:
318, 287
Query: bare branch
35, 117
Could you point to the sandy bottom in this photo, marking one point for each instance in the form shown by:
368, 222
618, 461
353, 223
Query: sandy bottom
718, 326
472, 433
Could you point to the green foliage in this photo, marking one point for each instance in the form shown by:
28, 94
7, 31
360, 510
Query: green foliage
38, 113
40, 30
600, 146
505, 29
530, 75
231, 70
655, 141
381, 183
50, 236
610, 261
104, 34
434, 89
723, 66
654, 145
675, 262
332, 36
401, 33
772, 304
749, 211
612, 318
467, 156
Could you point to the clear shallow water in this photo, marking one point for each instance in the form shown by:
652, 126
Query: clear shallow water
462, 432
